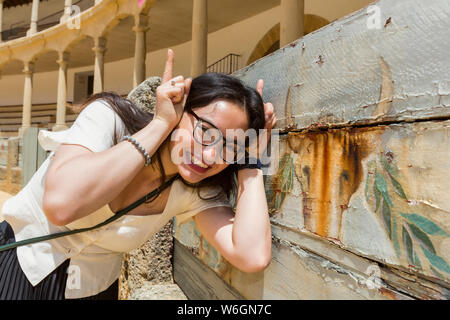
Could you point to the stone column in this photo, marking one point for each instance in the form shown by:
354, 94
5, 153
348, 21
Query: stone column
27, 95
292, 21
99, 49
199, 37
1, 19
63, 59
34, 18
67, 11
140, 49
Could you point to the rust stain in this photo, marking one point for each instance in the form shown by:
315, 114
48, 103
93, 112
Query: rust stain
388, 21
387, 293
329, 168
320, 60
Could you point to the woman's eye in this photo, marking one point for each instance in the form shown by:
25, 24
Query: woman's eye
209, 134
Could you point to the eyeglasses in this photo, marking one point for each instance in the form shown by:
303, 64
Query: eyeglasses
207, 134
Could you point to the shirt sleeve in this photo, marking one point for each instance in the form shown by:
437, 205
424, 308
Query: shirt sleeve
95, 128
197, 204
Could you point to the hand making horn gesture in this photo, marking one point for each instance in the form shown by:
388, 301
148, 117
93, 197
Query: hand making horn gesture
270, 119
171, 95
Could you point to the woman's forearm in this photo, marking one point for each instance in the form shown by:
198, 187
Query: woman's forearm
251, 227
82, 184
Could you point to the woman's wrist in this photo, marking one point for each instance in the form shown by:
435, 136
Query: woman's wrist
248, 174
250, 163
161, 124
153, 135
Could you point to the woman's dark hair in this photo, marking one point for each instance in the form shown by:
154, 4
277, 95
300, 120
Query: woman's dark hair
205, 89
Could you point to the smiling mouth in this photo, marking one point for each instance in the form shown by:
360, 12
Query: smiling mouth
196, 164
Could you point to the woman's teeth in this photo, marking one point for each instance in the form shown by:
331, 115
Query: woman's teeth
198, 162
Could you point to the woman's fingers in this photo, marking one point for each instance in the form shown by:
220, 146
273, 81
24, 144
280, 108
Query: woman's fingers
268, 110
187, 88
168, 69
260, 86
176, 92
269, 115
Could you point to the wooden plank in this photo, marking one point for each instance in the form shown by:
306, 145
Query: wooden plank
380, 192
18, 114
347, 73
35, 107
294, 273
323, 200
38, 119
397, 280
197, 281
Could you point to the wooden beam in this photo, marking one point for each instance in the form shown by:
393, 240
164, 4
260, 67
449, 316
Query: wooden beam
197, 281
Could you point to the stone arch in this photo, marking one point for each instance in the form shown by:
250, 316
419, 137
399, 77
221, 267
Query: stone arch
75, 42
45, 60
146, 6
11, 66
113, 23
270, 42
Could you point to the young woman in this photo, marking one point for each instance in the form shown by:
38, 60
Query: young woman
113, 155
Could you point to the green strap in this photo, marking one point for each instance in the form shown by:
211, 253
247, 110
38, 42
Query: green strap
119, 214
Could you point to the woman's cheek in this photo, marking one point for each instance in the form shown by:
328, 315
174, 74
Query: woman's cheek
180, 141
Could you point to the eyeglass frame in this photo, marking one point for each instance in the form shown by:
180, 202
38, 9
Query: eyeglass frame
190, 111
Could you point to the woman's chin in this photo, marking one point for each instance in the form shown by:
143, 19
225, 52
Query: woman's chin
190, 175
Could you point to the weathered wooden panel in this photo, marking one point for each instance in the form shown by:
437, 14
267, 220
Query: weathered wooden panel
358, 202
294, 273
349, 72
197, 280
380, 191
377, 192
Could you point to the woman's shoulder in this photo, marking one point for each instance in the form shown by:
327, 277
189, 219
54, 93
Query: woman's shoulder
97, 127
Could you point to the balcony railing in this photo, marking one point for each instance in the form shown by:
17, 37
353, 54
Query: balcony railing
227, 64
19, 29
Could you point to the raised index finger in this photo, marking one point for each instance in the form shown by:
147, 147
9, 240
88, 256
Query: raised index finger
168, 69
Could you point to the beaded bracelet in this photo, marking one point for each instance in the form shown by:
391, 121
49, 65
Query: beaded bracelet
138, 146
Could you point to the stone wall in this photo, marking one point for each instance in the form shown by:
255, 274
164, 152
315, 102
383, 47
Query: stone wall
10, 171
147, 266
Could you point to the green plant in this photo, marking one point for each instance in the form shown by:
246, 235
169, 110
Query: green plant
410, 229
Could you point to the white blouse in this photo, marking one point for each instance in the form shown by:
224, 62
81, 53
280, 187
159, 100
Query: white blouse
96, 255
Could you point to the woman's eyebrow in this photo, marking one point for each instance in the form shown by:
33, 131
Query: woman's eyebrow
223, 135
208, 122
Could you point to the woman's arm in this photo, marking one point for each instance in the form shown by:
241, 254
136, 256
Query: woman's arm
244, 238
80, 181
